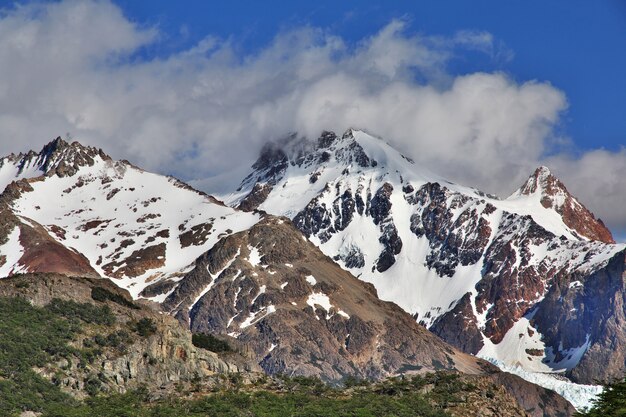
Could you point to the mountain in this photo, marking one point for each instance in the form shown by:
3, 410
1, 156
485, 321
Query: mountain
121, 357
247, 276
552, 195
208, 264
299, 312
76, 211
486, 274
94, 351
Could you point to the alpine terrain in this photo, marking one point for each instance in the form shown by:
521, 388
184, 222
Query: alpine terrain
533, 281
260, 281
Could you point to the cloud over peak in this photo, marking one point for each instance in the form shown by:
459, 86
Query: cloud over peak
81, 67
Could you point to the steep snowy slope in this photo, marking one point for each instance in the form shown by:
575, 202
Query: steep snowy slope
127, 224
472, 267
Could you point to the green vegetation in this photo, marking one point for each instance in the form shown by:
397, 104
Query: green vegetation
210, 342
88, 313
102, 294
30, 337
297, 397
611, 403
145, 327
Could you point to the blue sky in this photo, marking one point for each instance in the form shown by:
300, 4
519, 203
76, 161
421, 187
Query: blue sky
578, 46
481, 92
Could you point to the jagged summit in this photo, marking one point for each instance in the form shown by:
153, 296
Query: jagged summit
467, 265
71, 209
298, 163
354, 147
291, 172
56, 157
544, 188
542, 181
538, 181
66, 158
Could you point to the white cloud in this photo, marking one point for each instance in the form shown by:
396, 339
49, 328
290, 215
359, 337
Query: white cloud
75, 66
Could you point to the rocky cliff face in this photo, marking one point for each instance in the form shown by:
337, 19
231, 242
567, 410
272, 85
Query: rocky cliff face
472, 267
300, 313
161, 361
584, 316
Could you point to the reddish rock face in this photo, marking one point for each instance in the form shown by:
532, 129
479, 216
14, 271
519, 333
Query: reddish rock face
554, 195
138, 262
44, 254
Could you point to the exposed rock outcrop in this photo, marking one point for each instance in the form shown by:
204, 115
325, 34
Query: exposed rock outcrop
302, 314
162, 360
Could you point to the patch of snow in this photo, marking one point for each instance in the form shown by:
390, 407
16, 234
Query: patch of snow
255, 258
262, 289
252, 318
13, 251
214, 278
581, 396
320, 299
343, 314
311, 280
236, 297
519, 344
283, 285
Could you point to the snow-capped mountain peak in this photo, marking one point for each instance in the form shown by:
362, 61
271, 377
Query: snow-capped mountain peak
466, 264
57, 157
61, 153
111, 218
544, 190
302, 168
540, 181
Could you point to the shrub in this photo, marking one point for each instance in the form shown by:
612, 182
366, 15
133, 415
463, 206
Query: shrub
145, 327
102, 294
210, 342
88, 313
31, 336
117, 340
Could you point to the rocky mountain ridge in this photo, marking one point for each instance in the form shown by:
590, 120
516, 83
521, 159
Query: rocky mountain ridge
108, 217
122, 360
477, 270
130, 226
